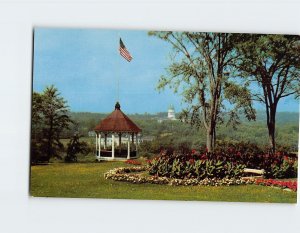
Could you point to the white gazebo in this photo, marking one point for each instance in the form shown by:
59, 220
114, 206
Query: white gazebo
117, 125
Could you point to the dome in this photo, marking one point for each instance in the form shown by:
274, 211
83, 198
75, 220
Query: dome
171, 107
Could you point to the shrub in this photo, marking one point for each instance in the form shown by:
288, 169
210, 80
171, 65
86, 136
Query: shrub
189, 166
286, 169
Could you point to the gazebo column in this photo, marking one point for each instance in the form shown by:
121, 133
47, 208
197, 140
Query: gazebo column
128, 147
136, 144
113, 146
96, 144
120, 143
99, 144
105, 141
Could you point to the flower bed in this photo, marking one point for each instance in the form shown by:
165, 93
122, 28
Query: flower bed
222, 163
187, 167
134, 175
292, 185
129, 174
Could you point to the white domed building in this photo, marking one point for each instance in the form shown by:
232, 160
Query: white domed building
171, 113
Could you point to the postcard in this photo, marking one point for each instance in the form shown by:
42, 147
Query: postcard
165, 115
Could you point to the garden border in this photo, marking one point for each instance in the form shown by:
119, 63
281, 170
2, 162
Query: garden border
123, 174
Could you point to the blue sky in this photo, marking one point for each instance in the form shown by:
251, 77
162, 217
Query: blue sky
84, 64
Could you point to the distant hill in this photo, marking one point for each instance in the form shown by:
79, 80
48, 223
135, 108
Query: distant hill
281, 117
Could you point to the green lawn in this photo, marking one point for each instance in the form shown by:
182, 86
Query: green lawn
87, 180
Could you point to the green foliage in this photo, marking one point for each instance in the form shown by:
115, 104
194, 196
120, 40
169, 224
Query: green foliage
178, 167
202, 68
177, 133
49, 119
289, 168
253, 134
75, 147
210, 68
228, 161
240, 97
272, 62
83, 123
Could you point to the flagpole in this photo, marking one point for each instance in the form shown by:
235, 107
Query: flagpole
118, 71
126, 55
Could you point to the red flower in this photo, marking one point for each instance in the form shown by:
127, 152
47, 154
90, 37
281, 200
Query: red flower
204, 157
193, 151
133, 162
278, 183
191, 161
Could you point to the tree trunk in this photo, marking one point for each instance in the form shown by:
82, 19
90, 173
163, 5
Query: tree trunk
214, 138
49, 143
271, 129
272, 126
209, 140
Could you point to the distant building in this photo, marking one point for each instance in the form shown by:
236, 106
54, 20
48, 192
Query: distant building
171, 113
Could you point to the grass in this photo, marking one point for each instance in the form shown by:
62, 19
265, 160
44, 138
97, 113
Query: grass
87, 180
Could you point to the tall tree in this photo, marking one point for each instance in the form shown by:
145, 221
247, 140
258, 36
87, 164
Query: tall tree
36, 115
273, 63
36, 126
50, 116
201, 66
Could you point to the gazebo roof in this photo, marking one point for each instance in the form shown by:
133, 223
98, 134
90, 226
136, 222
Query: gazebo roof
117, 121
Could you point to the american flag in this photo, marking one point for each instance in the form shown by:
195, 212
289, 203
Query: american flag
124, 52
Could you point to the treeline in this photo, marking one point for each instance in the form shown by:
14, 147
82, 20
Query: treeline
178, 132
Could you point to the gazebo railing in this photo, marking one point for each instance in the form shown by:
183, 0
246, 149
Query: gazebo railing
118, 154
